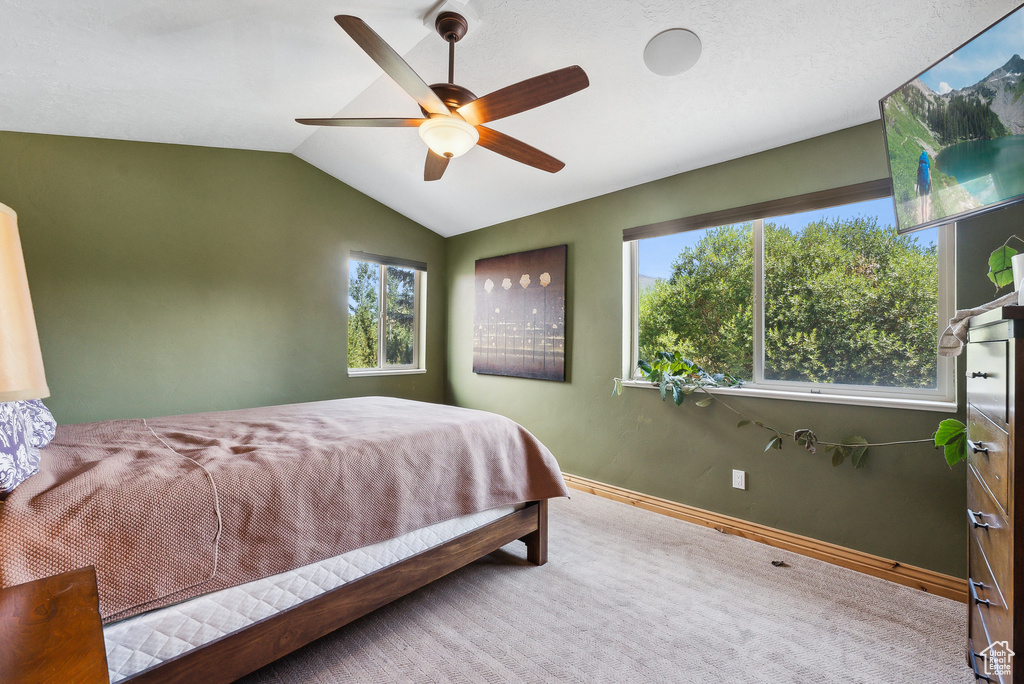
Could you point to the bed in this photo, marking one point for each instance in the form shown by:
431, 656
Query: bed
253, 532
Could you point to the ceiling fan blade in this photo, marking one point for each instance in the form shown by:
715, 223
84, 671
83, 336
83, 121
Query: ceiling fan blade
435, 166
382, 123
392, 63
533, 92
519, 151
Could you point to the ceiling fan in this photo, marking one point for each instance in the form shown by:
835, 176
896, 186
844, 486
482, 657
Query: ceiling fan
453, 116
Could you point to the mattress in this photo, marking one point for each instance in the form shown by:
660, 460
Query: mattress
140, 642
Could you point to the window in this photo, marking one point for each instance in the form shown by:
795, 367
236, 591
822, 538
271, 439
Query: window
384, 321
825, 303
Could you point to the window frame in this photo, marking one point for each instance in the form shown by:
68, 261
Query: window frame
941, 398
419, 317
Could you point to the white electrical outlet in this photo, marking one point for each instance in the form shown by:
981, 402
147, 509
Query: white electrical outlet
739, 479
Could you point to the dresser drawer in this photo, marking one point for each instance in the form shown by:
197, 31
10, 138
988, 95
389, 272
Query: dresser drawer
989, 530
980, 642
986, 378
987, 596
987, 454
978, 636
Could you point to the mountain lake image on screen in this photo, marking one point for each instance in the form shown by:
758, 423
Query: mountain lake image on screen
955, 133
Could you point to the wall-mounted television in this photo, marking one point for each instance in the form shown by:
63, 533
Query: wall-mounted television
954, 134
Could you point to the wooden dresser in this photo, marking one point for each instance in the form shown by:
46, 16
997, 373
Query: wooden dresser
995, 396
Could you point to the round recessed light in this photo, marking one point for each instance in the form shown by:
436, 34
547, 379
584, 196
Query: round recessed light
672, 52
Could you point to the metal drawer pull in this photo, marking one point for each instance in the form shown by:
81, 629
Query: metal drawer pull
977, 447
974, 594
976, 374
974, 515
974, 665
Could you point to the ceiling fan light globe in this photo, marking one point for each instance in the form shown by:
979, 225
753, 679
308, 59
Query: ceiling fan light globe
448, 137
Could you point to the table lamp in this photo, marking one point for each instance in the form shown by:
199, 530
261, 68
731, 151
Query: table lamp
21, 361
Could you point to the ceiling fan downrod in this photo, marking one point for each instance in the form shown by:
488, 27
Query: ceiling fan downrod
451, 62
451, 26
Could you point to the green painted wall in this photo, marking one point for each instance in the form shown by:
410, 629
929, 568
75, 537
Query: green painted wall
170, 279
905, 505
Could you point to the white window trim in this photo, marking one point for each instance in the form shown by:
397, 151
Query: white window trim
942, 398
419, 326
389, 370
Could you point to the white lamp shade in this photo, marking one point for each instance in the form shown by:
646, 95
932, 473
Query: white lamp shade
21, 362
448, 136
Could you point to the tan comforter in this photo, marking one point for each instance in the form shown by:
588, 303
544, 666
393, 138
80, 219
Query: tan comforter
171, 508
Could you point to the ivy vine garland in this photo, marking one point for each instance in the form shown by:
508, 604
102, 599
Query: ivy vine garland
680, 378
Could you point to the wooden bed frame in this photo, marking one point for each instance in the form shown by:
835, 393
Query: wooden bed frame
50, 629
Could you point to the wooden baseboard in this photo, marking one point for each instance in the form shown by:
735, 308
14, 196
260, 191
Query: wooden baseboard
908, 575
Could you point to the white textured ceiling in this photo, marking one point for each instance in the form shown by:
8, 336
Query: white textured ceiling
237, 74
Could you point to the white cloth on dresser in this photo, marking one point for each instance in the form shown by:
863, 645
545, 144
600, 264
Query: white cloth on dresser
954, 337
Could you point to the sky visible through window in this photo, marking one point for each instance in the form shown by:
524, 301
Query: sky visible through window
657, 254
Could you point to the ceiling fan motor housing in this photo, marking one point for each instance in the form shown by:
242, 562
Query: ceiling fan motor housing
452, 95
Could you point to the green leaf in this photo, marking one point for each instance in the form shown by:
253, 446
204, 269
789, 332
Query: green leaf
1000, 270
678, 396
742, 423
858, 450
951, 435
837, 456
773, 442
948, 430
617, 390
664, 390
705, 402
956, 451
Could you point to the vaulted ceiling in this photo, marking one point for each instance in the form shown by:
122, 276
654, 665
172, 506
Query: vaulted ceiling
237, 74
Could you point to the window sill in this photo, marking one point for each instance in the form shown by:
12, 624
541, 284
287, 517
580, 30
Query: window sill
940, 405
365, 372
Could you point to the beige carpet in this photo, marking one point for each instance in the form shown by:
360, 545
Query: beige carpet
632, 596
